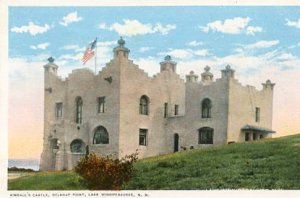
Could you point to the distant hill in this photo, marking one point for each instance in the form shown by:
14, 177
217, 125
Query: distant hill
265, 164
16, 169
24, 163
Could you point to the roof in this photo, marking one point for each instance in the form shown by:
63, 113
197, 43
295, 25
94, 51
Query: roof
252, 128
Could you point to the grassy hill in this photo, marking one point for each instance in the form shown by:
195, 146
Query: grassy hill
265, 164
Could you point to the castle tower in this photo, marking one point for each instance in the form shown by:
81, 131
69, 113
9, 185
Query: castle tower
192, 77
227, 72
168, 64
51, 67
207, 76
268, 88
50, 71
121, 51
50, 76
268, 85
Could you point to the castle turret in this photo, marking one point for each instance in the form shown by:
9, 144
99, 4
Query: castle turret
192, 77
268, 85
50, 74
121, 51
168, 64
51, 67
207, 76
227, 72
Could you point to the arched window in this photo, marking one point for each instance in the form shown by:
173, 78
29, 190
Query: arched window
206, 108
79, 103
101, 136
77, 146
205, 135
144, 105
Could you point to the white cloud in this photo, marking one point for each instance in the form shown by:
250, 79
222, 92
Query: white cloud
195, 43
293, 23
251, 30
262, 44
236, 25
134, 27
185, 53
103, 26
107, 43
230, 26
145, 49
203, 52
164, 30
70, 18
42, 46
71, 47
178, 53
31, 28
74, 57
75, 48
286, 56
24, 69
149, 65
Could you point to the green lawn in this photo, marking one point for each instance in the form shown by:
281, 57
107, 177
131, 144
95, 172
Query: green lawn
266, 164
59, 180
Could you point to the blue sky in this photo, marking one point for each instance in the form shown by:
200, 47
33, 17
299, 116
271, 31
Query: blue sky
260, 43
185, 26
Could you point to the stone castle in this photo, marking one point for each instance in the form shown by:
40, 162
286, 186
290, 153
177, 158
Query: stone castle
122, 109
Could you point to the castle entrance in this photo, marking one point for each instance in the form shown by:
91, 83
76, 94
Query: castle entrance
54, 147
176, 142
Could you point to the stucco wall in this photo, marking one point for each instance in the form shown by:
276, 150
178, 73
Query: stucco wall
187, 126
166, 87
242, 103
88, 86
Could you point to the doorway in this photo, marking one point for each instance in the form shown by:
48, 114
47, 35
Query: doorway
176, 142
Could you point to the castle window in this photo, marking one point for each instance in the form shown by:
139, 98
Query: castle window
58, 110
166, 110
205, 135
176, 110
77, 146
79, 110
206, 108
101, 136
101, 104
54, 144
247, 137
143, 137
254, 136
257, 114
144, 105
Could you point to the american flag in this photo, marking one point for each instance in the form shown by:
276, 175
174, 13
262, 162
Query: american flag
89, 52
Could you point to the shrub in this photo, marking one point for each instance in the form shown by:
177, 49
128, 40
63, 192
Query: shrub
105, 173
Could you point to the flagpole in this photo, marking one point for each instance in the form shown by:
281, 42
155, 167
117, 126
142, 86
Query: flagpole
96, 60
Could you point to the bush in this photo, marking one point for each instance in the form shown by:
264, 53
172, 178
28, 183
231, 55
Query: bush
105, 173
